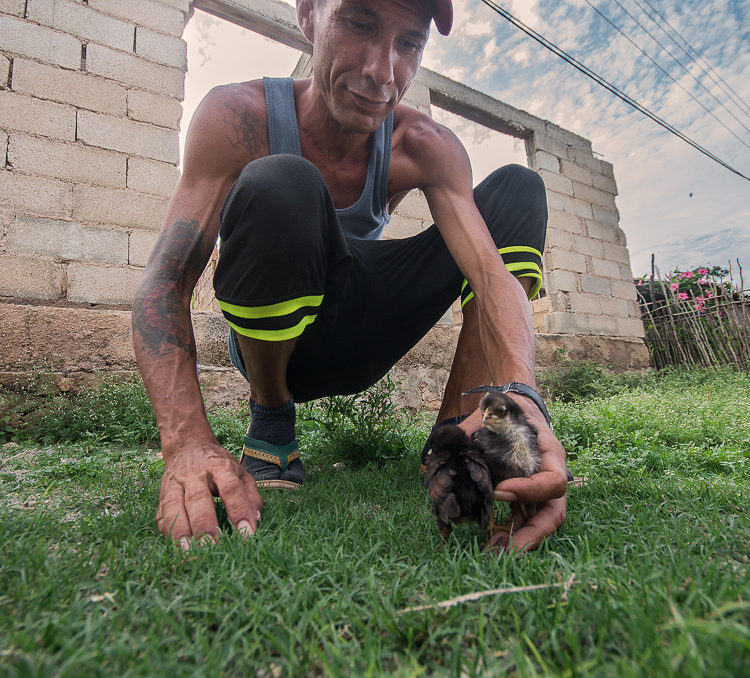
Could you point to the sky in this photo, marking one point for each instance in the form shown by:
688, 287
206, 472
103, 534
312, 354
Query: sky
656, 172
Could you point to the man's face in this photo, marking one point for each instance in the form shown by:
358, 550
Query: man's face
366, 53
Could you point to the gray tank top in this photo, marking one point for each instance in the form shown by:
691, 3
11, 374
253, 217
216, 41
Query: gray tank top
367, 217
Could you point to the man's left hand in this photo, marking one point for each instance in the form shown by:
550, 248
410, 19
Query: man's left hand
538, 502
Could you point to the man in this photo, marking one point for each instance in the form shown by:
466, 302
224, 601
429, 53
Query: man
300, 178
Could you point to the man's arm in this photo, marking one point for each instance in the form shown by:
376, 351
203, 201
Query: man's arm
506, 330
197, 468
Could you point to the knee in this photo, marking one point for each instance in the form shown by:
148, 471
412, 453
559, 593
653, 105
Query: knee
519, 188
277, 186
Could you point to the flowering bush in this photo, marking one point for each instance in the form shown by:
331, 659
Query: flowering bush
696, 283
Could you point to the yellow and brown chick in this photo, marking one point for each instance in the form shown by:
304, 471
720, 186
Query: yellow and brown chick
458, 480
507, 439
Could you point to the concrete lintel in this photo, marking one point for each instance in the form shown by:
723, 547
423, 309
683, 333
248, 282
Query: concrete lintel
275, 20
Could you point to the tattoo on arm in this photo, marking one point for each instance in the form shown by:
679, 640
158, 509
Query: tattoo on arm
159, 315
246, 132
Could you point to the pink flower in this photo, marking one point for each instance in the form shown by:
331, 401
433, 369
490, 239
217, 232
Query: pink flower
702, 271
702, 281
682, 296
709, 295
674, 287
688, 274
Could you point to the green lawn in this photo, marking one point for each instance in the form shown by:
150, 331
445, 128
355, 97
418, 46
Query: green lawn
658, 538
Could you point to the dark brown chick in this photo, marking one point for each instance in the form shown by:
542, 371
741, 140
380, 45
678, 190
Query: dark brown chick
507, 439
458, 480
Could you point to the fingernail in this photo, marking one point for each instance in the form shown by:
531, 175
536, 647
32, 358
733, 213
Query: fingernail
184, 543
257, 515
245, 529
501, 495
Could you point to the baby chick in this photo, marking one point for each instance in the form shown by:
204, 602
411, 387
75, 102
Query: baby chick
458, 480
507, 439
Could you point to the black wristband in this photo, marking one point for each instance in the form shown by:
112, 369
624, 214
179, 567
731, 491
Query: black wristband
517, 387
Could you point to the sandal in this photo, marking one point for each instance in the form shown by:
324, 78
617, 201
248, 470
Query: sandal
280, 455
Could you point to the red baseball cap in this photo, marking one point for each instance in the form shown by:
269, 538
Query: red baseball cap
443, 16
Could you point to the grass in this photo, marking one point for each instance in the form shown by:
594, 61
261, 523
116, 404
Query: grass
657, 538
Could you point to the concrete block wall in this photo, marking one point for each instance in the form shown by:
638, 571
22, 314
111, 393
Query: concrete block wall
587, 276
90, 106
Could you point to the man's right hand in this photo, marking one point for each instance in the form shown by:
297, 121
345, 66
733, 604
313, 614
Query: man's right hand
192, 478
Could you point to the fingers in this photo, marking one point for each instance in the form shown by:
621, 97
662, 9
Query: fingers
241, 500
535, 489
526, 534
171, 517
199, 503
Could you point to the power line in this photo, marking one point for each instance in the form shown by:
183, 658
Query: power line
679, 63
600, 80
710, 72
674, 80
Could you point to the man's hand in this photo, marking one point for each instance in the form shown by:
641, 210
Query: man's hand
191, 479
538, 502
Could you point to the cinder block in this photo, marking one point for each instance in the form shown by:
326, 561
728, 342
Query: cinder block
626, 272
414, 206
567, 323
3, 148
556, 182
606, 232
133, 70
73, 162
83, 90
559, 301
144, 13
30, 277
102, 284
595, 285
4, 71
15, 7
577, 173
606, 215
564, 221
614, 306
161, 48
81, 20
418, 95
152, 176
566, 260
630, 327
403, 227
590, 246
564, 281
14, 334
148, 107
39, 42
67, 240
127, 136
35, 195
542, 142
92, 204
624, 290
604, 268
604, 325
182, 5
607, 169
141, 245
604, 183
585, 159
543, 160
564, 203
569, 138
45, 118
634, 309
586, 303
557, 238
617, 253
593, 195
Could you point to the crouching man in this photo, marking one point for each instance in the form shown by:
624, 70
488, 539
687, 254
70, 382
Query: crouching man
299, 178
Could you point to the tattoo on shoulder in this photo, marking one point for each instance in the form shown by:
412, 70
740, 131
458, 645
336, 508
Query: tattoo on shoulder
178, 259
246, 132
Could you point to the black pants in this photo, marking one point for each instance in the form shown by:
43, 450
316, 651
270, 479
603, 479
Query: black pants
286, 270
